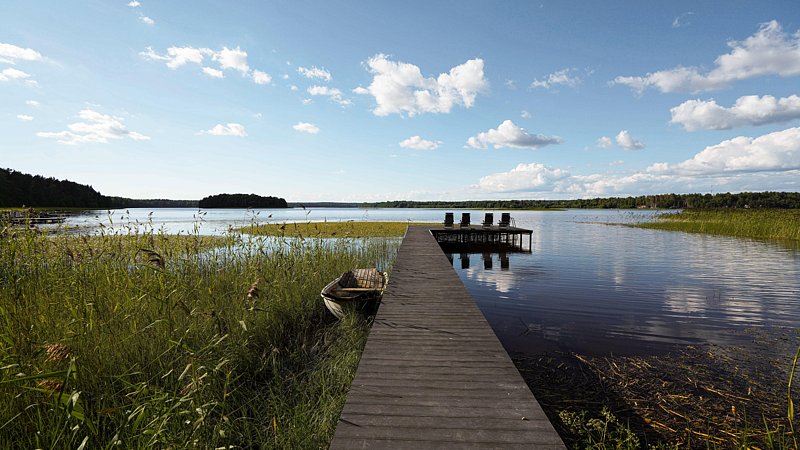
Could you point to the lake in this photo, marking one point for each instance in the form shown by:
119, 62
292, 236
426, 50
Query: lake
589, 286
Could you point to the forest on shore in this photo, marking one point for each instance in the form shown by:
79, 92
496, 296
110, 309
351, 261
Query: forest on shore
19, 189
660, 201
241, 201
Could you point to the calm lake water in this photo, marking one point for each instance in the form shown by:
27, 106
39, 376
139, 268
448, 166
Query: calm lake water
589, 285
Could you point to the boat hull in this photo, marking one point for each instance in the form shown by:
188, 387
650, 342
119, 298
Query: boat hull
364, 302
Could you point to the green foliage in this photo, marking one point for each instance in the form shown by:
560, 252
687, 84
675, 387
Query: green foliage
750, 223
153, 341
600, 433
790, 414
18, 189
241, 201
121, 203
330, 229
661, 201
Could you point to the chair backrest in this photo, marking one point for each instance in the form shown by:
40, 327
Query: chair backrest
448, 220
505, 220
464, 220
488, 219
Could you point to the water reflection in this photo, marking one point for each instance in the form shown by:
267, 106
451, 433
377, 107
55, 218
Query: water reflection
594, 288
486, 257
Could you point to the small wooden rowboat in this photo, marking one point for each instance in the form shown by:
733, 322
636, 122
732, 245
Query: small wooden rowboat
358, 289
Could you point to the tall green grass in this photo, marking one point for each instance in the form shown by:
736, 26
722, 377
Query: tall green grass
781, 224
154, 341
348, 229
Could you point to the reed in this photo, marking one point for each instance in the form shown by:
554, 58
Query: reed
145, 340
348, 229
780, 224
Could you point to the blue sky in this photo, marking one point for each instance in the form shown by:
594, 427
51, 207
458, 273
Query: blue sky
346, 101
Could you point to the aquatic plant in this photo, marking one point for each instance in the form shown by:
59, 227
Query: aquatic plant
330, 229
747, 223
144, 340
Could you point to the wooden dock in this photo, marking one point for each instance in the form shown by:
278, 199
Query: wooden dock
433, 373
510, 238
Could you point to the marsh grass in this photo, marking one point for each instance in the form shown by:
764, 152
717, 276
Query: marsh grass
696, 398
780, 224
349, 229
144, 340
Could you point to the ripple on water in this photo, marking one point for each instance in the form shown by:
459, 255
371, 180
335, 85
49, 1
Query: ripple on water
592, 288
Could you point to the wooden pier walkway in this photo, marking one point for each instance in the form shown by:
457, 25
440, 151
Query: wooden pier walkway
433, 373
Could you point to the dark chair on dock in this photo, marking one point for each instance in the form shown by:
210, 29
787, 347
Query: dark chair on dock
488, 219
505, 220
448, 220
464, 220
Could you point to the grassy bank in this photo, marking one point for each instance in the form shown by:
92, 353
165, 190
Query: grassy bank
153, 341
330, 229
748, 223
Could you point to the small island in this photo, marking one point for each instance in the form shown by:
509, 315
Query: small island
241, 201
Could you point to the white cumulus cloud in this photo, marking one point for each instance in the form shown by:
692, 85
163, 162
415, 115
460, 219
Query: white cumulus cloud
232, 58
177, 56
24, 117
401, 88
748, 110
147, 20
10, 53
604, 142
524, 177
95, 128
626, 141
13, 74
777, 151
335, 95
226, 59
770, 51
767, 162
32, 103
417, 143
134, 4
508, 134
231, 129
261, 77
305, 127
559, 78
314, 72
214, 73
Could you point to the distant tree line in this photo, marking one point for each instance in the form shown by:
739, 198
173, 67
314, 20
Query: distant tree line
19, 189
661, 201
324, 205
242, 201
122, 202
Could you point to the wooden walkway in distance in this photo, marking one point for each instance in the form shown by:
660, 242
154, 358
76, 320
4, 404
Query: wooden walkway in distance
433, 373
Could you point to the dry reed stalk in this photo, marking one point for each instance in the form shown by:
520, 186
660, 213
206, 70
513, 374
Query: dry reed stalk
153, 257
51, 384
57, 352
253, 292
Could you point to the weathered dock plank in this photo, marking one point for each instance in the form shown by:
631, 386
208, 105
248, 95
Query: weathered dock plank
433, 374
